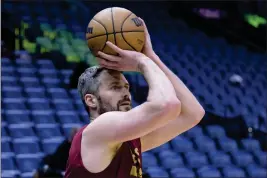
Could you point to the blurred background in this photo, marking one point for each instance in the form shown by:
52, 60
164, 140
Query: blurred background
217, 48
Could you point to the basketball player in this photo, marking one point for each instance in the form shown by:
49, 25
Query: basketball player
112, 144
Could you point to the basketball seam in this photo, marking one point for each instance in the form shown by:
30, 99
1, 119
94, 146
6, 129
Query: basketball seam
122, 32
106, 33
113, 26
112, 33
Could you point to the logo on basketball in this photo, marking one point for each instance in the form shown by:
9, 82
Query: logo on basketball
89, 30
137, 22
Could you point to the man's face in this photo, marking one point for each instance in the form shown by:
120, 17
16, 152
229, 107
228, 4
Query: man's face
113, 93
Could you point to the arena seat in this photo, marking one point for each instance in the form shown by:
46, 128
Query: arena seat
172, 162
182, 144
149, 160
45, 131
219, 158
182, 172
255, 171
43, 117
157, 172
208, 171
233, 172
50, 145
196, 159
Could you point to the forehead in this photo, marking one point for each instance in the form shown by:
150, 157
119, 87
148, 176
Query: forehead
110, 76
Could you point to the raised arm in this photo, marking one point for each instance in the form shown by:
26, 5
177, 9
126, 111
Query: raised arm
191, 110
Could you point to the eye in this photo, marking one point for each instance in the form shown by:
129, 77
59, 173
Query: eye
116, 87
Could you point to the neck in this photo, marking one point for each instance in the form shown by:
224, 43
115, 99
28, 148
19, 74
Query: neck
93, 116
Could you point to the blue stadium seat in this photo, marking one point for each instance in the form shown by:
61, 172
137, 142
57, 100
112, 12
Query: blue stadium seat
233, 172
8, 165
30, 82
194, 132
21, 131
51, 82
43, 117
45, 131
196, 159
63, 105
9, 81
26, 146
27, 72
50, 145
227, 144
35, 92
48, 73
5, 62
79, 105
161, 148
208, 171
182, 144
242, 158
149, 160
219, 158
6, 147
254, 171
75, 95
18, 117
215, 131
68, 117
11, 92
28, 65
4, 133
172, 162
28, 162
261, 158
6, 72
182, 172
58, 93
39, 104
204, 144
167, 153
67, 128
45, 64
84, 117
250, 144
66, 73
157, 172
14, 104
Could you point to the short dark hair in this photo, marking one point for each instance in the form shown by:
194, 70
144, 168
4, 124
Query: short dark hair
88, 82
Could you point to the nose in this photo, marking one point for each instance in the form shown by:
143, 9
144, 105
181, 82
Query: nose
127, 97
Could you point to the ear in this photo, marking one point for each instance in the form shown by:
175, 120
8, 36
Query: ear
91, 101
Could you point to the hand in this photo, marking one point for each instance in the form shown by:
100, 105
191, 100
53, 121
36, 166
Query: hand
147, 49
126, 61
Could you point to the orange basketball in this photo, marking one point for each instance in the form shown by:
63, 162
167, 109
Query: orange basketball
117, 25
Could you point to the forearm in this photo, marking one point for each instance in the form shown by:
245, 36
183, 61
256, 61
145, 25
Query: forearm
160, 87
189, 104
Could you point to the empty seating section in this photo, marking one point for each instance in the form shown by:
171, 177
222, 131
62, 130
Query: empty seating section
38, 111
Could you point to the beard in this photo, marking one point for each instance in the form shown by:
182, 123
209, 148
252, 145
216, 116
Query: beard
107, 107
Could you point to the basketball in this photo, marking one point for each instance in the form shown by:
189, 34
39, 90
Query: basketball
117, 25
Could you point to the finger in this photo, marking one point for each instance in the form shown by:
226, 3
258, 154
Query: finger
107, 63
114, 47
109, 57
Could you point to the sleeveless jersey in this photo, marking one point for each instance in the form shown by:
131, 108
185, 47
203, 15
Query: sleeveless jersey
127, 162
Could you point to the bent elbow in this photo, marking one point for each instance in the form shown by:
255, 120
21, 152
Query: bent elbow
173, 106
200, 114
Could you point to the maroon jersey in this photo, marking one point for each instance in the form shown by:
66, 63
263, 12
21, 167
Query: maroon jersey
125, 164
